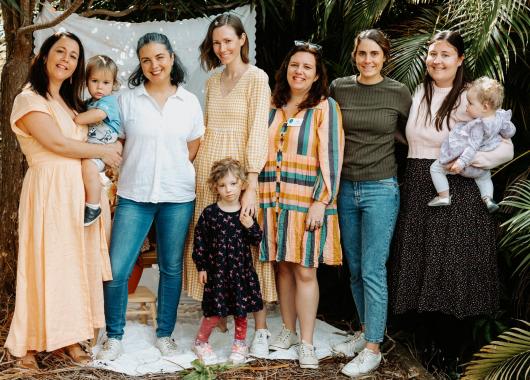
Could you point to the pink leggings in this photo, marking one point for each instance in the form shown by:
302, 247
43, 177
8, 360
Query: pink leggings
209, 323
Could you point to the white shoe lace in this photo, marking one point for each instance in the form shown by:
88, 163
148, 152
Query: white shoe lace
167, 344
111, 345
204, 350
239, 352
357, 336
284, 336
361, 357
307, 350
262, 336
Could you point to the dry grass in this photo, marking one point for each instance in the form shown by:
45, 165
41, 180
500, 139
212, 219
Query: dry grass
55, 366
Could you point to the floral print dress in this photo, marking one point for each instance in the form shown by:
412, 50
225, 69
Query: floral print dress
222, 249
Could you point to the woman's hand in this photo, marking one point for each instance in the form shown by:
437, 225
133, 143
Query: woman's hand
315, 216
112, 154
248, 200
248, 203
203, 277
246, 220
498, 156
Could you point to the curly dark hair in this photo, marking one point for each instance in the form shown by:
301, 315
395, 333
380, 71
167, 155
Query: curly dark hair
318, 91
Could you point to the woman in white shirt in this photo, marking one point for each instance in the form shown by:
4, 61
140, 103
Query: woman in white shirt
163, 124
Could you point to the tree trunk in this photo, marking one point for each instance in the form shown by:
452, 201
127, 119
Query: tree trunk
18, 27
13, 166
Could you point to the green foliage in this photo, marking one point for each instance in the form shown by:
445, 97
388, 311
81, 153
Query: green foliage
507, 358
496, 33
492, 30
204, 372
516, 236
353, 17
409, 50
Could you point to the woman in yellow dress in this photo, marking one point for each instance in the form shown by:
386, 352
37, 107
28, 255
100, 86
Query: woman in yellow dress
236, 118
61, 264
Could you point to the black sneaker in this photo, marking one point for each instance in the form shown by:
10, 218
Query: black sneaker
91, 215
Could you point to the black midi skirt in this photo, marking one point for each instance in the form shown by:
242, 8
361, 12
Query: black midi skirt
443, 258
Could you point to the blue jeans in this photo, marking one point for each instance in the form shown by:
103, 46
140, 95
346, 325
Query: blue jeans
132, 221
367, 215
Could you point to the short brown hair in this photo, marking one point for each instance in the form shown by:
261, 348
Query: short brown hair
209, 60
488, 91
104, 63
221, 168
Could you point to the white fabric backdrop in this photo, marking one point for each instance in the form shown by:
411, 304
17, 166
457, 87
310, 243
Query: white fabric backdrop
118, 40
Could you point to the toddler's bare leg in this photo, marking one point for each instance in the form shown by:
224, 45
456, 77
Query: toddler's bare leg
91, 181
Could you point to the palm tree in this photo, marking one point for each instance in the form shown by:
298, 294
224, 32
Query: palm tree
496, 33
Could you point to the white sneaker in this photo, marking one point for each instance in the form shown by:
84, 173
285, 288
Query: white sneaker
350, 347
260, 343
364, 363
307, 357
204, 353
167, 346
111, 350
239, 352
440, 201
285, 339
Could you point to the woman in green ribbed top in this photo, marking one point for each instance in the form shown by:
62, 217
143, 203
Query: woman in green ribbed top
374, 108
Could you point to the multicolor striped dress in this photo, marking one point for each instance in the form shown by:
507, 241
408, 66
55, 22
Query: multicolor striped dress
303, 166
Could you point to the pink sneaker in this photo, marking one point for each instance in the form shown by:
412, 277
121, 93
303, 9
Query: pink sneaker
239, 352
204, 353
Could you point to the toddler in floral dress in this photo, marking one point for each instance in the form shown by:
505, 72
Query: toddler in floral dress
223, 259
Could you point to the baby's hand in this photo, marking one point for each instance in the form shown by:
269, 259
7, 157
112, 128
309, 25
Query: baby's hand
456, 167
203, 277
246, 220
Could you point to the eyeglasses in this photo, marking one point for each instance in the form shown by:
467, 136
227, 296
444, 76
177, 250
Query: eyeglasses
310, 45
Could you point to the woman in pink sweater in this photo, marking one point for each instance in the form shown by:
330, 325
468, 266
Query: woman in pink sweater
444, 257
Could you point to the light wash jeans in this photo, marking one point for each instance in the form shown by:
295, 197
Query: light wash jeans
132, 221
440, 182
367, 215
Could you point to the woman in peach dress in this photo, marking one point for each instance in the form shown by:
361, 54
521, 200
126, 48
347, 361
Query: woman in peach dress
61, 263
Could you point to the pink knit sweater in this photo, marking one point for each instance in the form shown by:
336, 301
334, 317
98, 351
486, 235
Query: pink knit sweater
425, 141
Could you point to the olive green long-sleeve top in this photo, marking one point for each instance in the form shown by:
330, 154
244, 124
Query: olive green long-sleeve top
371, 114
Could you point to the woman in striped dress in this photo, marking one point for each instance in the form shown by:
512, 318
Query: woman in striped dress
298, 189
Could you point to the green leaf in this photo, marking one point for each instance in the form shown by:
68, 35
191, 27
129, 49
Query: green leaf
505, 358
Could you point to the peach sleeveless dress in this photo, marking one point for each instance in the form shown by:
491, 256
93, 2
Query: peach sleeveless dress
61, 264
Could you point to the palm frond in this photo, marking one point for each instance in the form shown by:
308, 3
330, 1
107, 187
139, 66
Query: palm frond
359, 15
516, 234
506, 358
409, 51
492, 29
354, 16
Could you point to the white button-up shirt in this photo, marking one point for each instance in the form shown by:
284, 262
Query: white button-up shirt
156, 166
